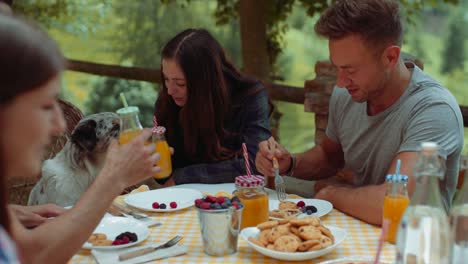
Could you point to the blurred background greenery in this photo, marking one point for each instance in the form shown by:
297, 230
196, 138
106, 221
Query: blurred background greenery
131, 33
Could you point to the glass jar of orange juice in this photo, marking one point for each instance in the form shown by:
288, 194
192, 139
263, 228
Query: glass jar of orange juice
250, 191
395, 202
162, 148
130, 125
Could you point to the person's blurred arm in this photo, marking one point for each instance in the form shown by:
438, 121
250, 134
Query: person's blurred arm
58, 239
32, 216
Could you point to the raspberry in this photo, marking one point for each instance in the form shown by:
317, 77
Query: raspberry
205, 205
162, 206
173, 205
117, 242
210, 199
220, 200
236, 205
125, 240
155, 205
198, 201
300, 204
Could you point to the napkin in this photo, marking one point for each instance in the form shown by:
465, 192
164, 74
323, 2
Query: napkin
112, 256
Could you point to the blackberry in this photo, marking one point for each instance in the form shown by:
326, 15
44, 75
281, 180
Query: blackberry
162, 206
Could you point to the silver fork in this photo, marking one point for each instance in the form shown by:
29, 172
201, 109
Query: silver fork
279, 182
128, 212
135, 215
146, 250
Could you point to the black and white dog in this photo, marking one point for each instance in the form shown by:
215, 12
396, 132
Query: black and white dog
67, 176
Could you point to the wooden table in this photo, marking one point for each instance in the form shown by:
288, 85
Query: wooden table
361, 241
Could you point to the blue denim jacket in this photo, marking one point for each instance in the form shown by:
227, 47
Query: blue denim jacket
253, 126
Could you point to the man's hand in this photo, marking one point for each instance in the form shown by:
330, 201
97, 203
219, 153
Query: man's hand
263, 160
32, 216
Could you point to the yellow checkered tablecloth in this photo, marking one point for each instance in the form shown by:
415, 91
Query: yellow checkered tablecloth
362, 240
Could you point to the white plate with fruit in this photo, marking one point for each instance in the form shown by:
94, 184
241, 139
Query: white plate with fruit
303, 207
164, 200
117, 232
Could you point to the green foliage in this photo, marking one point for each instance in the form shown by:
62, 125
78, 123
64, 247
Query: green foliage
277, 26
104, 97
453, 55
68, 15
146, 25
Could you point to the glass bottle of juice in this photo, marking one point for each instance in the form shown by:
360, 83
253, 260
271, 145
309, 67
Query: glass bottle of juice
162, 148
424, 233
459, 225
130, 125
395, 202
250, 191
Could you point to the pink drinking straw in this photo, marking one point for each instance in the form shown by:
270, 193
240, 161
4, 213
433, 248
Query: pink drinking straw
246, 158
383, 235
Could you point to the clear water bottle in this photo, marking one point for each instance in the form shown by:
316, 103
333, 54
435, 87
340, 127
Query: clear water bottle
424, 231
459, 226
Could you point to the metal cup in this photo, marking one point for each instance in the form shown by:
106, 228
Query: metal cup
219, 230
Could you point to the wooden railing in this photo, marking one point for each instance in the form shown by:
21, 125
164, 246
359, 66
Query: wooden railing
278, 92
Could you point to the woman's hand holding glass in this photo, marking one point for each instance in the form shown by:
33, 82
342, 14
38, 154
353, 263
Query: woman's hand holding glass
131, 163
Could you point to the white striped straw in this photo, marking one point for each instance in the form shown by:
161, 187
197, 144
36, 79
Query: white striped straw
246, 158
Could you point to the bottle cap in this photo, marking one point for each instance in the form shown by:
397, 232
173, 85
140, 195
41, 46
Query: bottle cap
389, 178
128, 110
250, 181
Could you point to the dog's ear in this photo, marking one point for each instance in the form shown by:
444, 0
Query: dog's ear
84, 135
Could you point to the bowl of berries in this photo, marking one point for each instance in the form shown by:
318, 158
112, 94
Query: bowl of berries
220, 219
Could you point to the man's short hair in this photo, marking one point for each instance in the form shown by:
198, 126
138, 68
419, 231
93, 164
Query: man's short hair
378, 22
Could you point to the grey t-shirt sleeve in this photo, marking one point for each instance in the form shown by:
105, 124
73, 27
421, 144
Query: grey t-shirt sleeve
333, 112
436, 122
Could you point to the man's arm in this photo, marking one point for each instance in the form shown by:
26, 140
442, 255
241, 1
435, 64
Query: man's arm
366, 203
322, 161
319, 162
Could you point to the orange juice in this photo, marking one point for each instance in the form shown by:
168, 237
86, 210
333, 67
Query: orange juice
161, 147
128, 135
256, 208
165, 161
393, 209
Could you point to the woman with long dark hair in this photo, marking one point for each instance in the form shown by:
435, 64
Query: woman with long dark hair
30, 67
209, 109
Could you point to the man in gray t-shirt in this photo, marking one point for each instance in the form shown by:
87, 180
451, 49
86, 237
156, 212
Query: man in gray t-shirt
382, 112
426, 111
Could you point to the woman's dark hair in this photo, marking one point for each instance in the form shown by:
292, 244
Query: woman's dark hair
28, 59
378, 22
215, 88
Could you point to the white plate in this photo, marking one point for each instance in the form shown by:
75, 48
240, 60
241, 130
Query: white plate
323, 207
113, 226
338, 233
354, 260
183, 197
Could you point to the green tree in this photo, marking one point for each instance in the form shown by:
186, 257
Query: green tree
105, 97
453, 55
